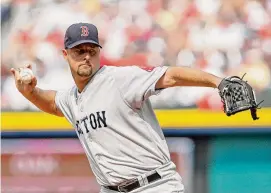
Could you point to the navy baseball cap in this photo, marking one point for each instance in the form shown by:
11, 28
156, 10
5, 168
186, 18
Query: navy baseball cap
79, 33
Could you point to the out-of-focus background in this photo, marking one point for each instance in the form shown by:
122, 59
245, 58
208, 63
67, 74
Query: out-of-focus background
213, 153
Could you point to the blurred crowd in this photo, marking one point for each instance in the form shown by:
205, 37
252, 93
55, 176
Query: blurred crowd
223, 37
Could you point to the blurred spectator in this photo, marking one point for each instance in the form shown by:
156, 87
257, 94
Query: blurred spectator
224, 37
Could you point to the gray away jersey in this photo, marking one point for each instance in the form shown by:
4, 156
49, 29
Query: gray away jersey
116, 124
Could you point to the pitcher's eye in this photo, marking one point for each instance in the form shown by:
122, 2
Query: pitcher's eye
92, 52
81, 51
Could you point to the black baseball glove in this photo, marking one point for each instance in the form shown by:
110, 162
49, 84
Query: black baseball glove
237, 95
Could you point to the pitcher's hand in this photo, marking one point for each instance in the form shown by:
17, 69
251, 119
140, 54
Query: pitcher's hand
24, 88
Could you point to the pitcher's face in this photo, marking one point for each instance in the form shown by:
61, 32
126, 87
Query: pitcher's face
84, 59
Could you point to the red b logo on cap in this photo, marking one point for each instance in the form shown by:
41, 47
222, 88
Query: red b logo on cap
85, 31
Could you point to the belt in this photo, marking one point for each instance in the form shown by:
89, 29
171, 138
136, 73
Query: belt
134, 183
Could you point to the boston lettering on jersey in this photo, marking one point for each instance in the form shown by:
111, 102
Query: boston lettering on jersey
93, 121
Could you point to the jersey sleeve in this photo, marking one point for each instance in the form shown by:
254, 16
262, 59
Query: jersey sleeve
63, 103
137, 84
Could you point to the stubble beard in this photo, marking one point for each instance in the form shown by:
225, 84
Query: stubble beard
84, 72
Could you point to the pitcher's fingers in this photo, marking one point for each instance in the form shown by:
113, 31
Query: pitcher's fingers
12, 70
15, 73
34, 81
28, 66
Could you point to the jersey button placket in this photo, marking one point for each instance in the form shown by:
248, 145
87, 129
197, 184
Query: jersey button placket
80, 104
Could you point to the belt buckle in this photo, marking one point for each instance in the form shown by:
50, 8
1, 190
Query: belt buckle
122, 187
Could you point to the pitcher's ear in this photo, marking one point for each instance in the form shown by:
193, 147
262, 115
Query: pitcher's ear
65, 53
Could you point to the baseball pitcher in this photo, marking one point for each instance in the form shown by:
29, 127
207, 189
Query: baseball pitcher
110, 109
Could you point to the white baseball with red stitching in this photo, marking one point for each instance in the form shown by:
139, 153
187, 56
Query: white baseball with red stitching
26, 75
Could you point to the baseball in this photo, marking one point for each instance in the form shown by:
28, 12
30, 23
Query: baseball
26, 75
